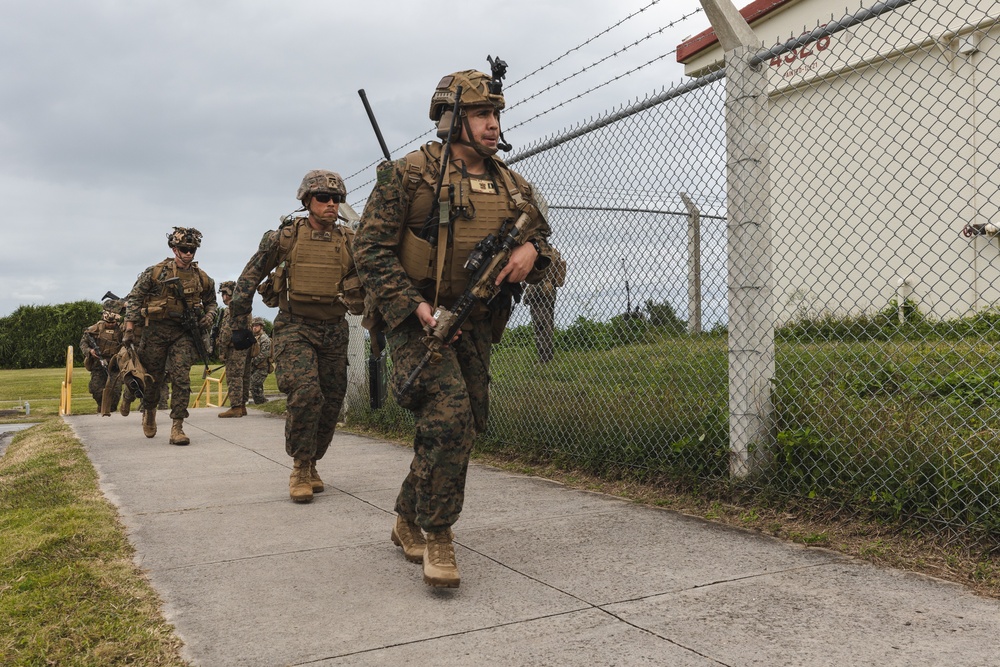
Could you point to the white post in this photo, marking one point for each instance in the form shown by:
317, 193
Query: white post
694, 265
749, 243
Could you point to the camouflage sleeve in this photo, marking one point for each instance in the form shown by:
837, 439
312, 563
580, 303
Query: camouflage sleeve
537, 230
137, 297
208, 299
375, 247
225, 330
262, 262
85, 346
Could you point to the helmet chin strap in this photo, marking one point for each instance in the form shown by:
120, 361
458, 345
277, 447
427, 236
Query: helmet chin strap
482, 150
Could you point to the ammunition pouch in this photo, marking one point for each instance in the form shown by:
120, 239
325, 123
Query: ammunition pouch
353, 295
267, 291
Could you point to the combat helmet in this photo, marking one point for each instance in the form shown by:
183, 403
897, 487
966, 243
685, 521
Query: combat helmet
478, 89
112, 309
476, 92
227, 287
184, 236
257, 320
322, 181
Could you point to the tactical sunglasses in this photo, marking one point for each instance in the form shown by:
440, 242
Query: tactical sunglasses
326, 198
186, 249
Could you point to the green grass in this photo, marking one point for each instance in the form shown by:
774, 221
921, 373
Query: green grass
70, 593
42, 388
904, 429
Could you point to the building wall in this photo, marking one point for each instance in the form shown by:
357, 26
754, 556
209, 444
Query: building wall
884, 147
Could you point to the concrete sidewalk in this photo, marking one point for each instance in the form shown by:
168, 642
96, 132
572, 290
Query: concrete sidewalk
550, 575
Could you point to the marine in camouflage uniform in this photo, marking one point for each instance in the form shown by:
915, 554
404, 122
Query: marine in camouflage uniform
310, 277
541, 300
238, 362
450, 399
107, 335
261, 362
164, 341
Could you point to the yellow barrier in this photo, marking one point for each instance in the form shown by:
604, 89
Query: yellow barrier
66, 391
206, 391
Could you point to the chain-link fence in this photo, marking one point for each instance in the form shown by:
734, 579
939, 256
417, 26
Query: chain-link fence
806, 305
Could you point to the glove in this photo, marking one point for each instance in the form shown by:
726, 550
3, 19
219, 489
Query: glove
243, 339
206, 321
128, 337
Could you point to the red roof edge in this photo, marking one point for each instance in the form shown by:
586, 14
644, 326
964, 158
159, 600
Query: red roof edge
753, 12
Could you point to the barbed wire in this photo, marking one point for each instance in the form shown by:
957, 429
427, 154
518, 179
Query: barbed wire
429, 132
605, 58
400, 147
587, 92
582, 44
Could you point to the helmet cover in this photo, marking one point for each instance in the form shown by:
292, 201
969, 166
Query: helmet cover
475, 93
321, 181
184, 236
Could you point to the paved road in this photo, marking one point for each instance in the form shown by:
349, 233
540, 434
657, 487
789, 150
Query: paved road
550, 575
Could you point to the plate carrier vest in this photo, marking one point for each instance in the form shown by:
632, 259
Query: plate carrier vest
166, 304
309, 277
481, 205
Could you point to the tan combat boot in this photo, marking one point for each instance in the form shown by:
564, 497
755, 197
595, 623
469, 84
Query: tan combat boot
314, 479
243, 411
408, 535
440, 568
149, 423
124, 407
300, 484
236, 411
177, 436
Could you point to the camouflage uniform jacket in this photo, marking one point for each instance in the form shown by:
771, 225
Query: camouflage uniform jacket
147, 285
262, 360
387, 213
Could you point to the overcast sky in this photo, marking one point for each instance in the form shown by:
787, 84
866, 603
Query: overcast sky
121, 119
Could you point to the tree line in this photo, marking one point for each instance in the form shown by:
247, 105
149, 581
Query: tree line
37, 336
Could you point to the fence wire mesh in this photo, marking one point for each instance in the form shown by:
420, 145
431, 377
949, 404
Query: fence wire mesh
881, 153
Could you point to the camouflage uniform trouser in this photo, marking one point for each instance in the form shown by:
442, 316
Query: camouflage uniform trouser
543, 306
450, 402
169, 381
257, 378
311, 369
165, 344
238, 375
98, 380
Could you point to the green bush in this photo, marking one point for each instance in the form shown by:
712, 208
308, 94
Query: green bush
663, 316
38, 336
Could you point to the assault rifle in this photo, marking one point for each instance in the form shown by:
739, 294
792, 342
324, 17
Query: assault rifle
95, 346
485, 261
189, 321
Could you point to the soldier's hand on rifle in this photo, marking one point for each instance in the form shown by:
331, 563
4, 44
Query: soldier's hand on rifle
522, 260
426, 317
94, 354
206, 321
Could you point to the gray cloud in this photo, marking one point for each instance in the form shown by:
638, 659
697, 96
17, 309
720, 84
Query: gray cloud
120, 120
